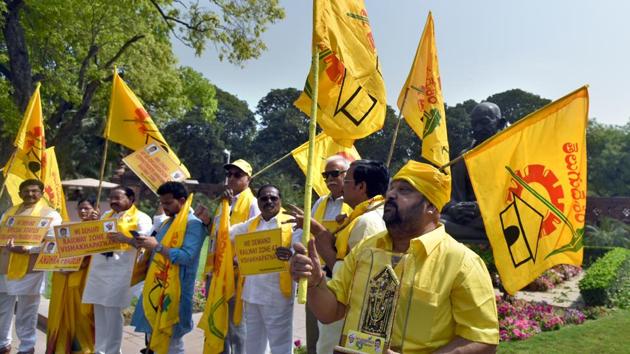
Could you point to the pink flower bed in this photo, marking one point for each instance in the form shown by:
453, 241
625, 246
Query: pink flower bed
552, 277
520, 319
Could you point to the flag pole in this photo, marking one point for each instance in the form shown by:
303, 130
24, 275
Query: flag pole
104, 157
6, 173
272, 164
308, 187
391, 148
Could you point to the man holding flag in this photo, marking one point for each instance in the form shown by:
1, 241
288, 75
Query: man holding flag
21, 284
164, 311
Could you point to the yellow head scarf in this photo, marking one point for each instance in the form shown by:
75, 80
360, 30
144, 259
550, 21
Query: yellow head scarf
428, 180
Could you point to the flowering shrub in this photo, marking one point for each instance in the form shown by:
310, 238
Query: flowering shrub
554, 276
298, 347
199, 296
520, 319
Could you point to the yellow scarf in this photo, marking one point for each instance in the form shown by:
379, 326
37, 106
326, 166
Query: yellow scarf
127, 222
18, 262
343, 232
286, 283
321, 210
162, 287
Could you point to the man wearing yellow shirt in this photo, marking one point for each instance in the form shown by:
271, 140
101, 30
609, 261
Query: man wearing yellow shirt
451, 305
364, 185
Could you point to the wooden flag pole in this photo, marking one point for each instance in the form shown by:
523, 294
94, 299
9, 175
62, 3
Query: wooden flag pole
308, 188
272, 164
104, 157
391, 148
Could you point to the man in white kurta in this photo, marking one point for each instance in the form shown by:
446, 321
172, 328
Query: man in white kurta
109, 278
268, 312
27, 290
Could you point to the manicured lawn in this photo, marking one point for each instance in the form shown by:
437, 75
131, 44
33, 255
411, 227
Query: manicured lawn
609, 334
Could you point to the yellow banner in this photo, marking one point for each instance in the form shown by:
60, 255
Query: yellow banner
325, 147
351, 96
421, 101
154, 166
85, 238
256, 252
24, 230
530, 182
48, 259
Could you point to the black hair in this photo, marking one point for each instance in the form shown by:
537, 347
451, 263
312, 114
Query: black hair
268, 186
32, 182
128, 192
374, 174
176, 189
90, 199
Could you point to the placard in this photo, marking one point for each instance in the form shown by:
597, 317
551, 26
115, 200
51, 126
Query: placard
48, 259
86, 238
256, 252
154, 166
24, 230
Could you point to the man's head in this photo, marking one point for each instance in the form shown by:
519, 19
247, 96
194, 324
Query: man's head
269, 201
31, 191
238, 174
172, 197
415, 197
334, 173
486, 121
365, 179
121, 198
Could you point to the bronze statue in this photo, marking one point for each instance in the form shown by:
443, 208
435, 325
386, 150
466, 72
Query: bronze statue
461, 215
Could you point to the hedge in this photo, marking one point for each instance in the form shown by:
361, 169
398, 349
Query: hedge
605, 280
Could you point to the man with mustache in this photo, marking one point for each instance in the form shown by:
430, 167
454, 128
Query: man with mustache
108, 285
268, 298
364, 185
448, 305
22, 284
461, 216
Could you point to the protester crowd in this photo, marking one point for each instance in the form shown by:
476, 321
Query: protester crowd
449, 307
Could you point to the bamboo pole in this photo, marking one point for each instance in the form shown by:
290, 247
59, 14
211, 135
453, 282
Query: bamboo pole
308, 188
391, 148
104, 157
272, 164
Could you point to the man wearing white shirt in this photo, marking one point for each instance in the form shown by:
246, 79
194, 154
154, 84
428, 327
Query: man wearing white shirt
268, 298
27, 287
108, 285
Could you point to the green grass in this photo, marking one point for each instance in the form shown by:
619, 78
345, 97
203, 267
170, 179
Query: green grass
608, 334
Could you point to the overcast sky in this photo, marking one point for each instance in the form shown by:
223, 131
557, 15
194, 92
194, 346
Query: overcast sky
547, 47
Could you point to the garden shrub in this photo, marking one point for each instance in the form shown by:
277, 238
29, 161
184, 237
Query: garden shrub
605, 282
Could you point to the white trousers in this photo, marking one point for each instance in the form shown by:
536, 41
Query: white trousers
25, 319
268, 324
108, 323
329, 335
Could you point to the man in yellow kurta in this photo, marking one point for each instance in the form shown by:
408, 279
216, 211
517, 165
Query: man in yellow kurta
364, 185
449, 302
21, 284
243, 206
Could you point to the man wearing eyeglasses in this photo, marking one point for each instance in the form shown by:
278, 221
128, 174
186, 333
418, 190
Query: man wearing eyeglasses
243, 206
268, 298
364, 184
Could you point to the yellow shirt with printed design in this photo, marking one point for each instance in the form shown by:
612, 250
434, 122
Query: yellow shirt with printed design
446, 291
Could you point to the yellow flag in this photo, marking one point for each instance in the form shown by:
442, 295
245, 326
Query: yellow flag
162, 289
214, 320
53, 190
29, 159
421, 101
530, 182
129, 124
325, 147
351, 95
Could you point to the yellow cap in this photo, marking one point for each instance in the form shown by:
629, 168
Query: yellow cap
241, 165
428, 180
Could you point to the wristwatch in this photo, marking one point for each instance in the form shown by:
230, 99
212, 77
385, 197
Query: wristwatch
159, 248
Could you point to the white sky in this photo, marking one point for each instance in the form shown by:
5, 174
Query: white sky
547, 47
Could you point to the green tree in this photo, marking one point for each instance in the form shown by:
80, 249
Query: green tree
72, 45
516, 103
608, 159
237, 123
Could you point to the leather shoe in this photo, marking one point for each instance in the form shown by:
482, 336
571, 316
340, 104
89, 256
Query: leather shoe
5, 350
